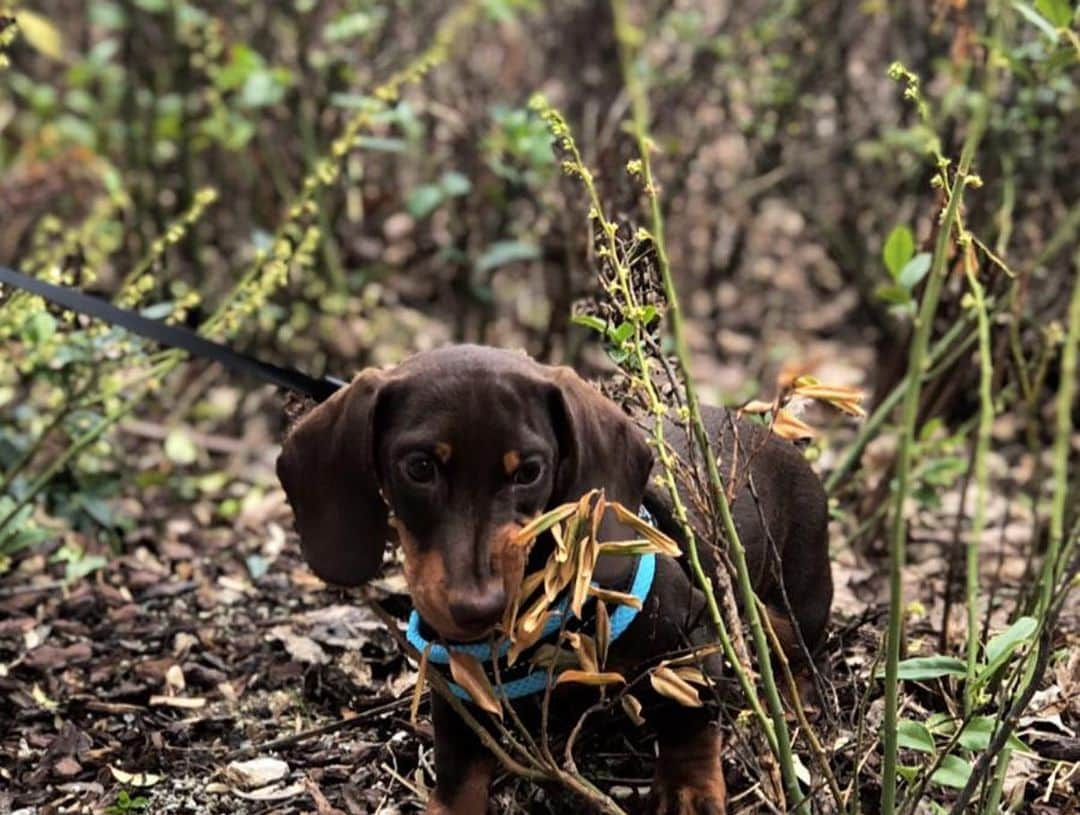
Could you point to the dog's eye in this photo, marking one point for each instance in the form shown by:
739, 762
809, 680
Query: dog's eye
421, 469
528, 473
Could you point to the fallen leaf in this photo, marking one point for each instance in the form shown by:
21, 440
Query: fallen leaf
134, 779
272, 793
67, 767
301, 648
184, 702
256, 772
174, 679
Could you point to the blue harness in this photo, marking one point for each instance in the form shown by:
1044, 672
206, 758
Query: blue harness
536, 680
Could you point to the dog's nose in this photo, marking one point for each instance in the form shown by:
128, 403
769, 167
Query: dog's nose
480, 608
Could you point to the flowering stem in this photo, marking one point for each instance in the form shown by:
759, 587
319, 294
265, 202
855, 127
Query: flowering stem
917, 357
780, 739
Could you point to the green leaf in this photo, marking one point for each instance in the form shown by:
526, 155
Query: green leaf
894, 295
40, 327
243, 61
261, 89
81, 567
381, 144
455, 184
179, 447
954, 772
351, 26
914, 271
943, 472
1001, 647
1059, 12
899, 247
41, 34
153, 6
622, 333
501, 253
929, 668
914, 736
980, 730
587, 320
424, 200
1037, 20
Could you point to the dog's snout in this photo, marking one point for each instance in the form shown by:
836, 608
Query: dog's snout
479, 608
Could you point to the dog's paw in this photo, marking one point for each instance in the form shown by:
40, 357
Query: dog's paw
687, 800
689, 778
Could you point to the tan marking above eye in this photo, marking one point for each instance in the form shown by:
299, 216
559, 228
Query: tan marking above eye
443, 451
511, 461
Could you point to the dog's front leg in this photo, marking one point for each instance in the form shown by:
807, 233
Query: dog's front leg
689, 777
463, 766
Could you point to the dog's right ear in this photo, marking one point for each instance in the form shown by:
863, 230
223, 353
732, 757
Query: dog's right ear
327, 467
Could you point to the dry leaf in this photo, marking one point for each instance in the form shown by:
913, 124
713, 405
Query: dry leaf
603, 632
272, 793
615, 597
174, 679
528, 587
590, 678
842, 397
586, 562
134, 779
547, 654
757, 407
187, 703
522, 640
668, 683
664, 545
467, 672
632, 707
637, 546
692, 675
585, 648
786, 426
256, 772
540, 524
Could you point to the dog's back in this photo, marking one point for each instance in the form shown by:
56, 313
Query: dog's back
780, 511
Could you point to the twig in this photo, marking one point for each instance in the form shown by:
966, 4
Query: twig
314, 732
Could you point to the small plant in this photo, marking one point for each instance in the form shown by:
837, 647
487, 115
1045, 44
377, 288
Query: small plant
126, 803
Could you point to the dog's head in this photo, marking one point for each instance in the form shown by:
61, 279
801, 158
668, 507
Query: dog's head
453, 450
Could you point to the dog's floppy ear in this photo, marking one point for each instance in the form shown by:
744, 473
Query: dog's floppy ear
600, 447
327, 467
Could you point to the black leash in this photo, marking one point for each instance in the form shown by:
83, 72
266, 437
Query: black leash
173, 336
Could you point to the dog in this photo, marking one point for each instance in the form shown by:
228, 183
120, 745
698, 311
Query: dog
454, 448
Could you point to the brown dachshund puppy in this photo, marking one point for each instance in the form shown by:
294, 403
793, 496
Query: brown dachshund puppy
466, 443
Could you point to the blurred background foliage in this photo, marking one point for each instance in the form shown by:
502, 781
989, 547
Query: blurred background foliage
155, 152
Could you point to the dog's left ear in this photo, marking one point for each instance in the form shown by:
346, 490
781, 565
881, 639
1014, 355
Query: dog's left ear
599, 446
